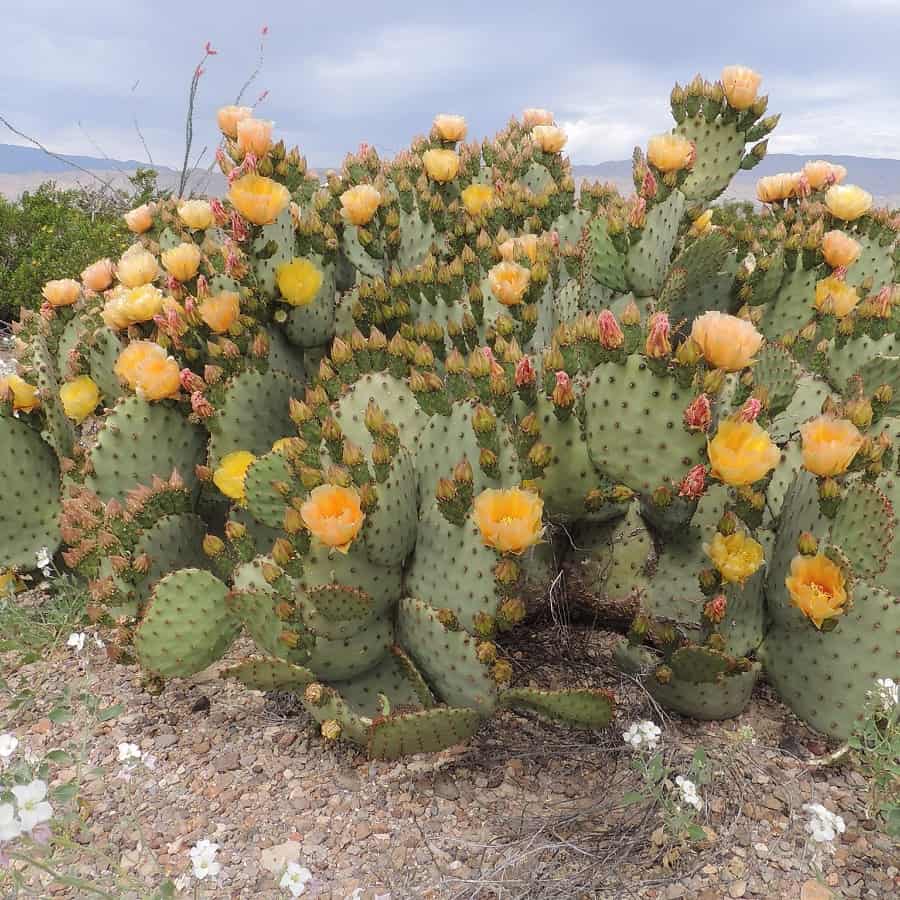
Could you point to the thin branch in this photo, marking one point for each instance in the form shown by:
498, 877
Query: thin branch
107, 184
189, 121
99, 149
259, 64
140, 134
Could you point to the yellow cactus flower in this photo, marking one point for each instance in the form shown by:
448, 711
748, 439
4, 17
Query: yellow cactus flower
128, 307
229, 116
140, 219
221, 311
509, 282
816, 587
441, 165
829, 445
133, 356
536, 116
10, 583
24, 395
526, 244
137, 266
727, 342
334, 515
742, 453
847, 201
258, 199
549, 138
839, 249
775, 188
299, 281
450, 128
835, 296
670, 152
254, 136
737, 556
231, 472
821, 174
158, 378
702, 224
282, 444
182, 262
509, 520
99, 275
79, 397
61, 292
741, 86
359, 204
477, 197
196, 214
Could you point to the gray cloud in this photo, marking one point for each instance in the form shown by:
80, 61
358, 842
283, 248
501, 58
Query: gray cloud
76, 74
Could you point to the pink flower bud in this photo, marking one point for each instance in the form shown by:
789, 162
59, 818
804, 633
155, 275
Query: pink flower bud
750, 410
202, 288
658, 344
648, 185
694, 483
201, 407
191, 382
525, 373
715, 608
611, 336
698, 416
238, 228
218, 210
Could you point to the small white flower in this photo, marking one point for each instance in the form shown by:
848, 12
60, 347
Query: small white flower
888, 692
203, 859
8, 744
295, 879
642, 734
149, 761
127, 752
76, 641
689, 793
32, 803
10, 827
43, 559
823, 824
99, 642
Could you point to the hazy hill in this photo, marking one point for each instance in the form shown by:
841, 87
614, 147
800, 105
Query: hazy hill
23, 168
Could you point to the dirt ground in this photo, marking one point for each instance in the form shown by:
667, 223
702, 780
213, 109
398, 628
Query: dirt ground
525, 810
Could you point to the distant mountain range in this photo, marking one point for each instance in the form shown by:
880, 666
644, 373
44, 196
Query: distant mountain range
24, 168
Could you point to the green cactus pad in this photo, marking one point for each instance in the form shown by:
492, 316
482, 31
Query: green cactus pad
422, 732
607, 264
416, 238
265, 673
453, 568
648, 260
793, 306
273, 246
71, 338
724, 699
876, 262
29, 495
634, 426
253, 415
338, 603
864, 529
390, 530
720, 150
824, 676
570, 225
59, 432
776, 371
447, 658
356, 254
265, 503
395, 678
285, 358
586, 707
187, 625
396, 401
876, 360
313, 324
809, 396
783, 477
173, 542
699, 665
139, 440
702, 262
103, 353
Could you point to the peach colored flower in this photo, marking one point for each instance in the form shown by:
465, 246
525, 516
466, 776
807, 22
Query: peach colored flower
254, 136
477, 197
741, 86
829, 445
334, 515
549, 138
79, 397
229, 116
727, 342
839, 249
509, 282
259, 199
509, 520
131, 358
221, 311
140, 219
359, 204
182, 262
61, 292
670, 152
137, 266
537, 116
24, 395
847, 201
742, 453
450, 128
816, 587
822, 174
98, 276
835, 296
736, 556
196, 214
775, 188
441, 165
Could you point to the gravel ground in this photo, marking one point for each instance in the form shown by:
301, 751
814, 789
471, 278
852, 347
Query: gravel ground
526, 810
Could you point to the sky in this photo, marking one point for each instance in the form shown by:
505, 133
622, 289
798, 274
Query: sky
78, 74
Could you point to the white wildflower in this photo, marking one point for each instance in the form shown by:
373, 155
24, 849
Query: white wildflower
689, 793
43, 559
203, 859
642, 734
128, 752
76, 641
295, 879
8, 744
823, 824
888, 692
10, 827
32, 802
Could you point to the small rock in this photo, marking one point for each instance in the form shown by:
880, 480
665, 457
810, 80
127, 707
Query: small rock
163, 741
444, 787
814, 890
201, 704
275, 859
737, 888
227, 762
349, 781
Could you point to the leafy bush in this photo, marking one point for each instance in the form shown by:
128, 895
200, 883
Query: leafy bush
51, 233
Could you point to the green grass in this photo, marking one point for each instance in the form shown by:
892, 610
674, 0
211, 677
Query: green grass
33, 630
